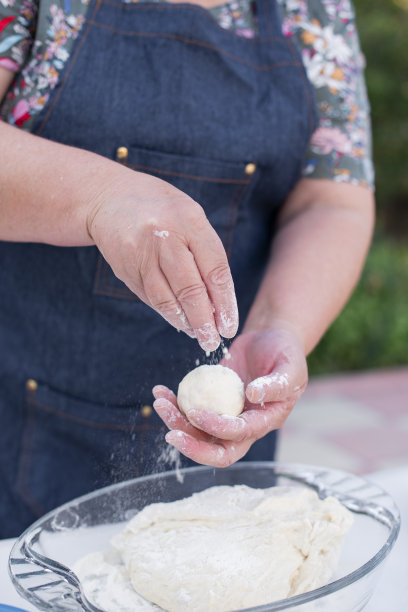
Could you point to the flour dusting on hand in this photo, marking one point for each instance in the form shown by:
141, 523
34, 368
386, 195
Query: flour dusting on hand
161, 234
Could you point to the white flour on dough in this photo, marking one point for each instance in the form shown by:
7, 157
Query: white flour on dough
214, 388
226, 548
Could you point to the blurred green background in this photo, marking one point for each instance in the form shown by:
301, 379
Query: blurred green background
372, 331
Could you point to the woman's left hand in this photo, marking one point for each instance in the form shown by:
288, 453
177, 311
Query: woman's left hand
273, 366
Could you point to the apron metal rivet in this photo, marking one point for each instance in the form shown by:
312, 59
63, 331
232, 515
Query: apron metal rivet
31, 384
146, 411
250, 168
122, 154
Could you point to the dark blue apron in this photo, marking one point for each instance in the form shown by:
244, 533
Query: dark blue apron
164, 89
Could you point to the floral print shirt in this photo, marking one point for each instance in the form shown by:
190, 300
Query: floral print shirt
36, 39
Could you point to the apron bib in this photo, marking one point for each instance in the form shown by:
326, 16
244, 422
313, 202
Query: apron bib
165, 90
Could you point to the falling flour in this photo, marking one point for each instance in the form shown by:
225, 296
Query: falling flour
170, 456
225, 548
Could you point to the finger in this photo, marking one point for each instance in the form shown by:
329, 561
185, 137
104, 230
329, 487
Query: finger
222, 426
253, 423
174, 419
163, 391
277, 386
207, 452
215, 271
266, 388
180, 269
162, 299
260, 421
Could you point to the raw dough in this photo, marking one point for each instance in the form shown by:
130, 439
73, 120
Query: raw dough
213, 388
229, 548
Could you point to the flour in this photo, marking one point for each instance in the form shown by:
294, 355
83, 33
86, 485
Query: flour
171, 456
162, 234
226, 353
226, 548
263, 383
105, 582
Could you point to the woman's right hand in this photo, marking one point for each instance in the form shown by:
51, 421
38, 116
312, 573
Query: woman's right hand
155, 237
159, 242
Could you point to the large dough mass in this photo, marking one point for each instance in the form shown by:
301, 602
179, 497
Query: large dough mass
214, 388
229, 548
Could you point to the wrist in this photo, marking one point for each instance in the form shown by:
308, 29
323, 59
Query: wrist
105, 180
268, 320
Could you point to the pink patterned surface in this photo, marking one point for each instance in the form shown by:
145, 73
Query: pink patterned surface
357, 422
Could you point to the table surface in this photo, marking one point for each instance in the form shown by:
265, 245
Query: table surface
391, 592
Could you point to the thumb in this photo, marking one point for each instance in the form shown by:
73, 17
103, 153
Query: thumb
271, 387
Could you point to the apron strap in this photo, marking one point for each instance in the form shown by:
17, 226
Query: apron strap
269, 20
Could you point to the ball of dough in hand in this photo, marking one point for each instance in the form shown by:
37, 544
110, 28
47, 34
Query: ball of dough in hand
213, 388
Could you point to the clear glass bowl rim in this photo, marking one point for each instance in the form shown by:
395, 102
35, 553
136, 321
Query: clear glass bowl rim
283, 469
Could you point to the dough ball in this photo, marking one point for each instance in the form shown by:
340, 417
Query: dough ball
213, 388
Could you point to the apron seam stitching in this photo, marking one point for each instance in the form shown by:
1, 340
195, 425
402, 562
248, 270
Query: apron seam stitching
306, 85
169, 6
191, 176
92, 424
104, 288
186, 40
232, 216
25, 462
266, 13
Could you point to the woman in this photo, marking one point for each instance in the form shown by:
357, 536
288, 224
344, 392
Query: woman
164, 168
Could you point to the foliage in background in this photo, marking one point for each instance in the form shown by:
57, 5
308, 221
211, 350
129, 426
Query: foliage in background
383, 29
372, 331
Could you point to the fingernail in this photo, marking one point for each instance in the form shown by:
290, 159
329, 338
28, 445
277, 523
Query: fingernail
157, 389
208, 337
256, 389
228, 323
160, 403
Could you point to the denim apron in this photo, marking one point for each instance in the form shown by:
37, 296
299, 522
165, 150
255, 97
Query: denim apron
165, 90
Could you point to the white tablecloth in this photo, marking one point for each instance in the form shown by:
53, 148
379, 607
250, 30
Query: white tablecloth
391, 593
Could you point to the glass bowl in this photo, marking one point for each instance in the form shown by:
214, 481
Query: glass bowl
41, 560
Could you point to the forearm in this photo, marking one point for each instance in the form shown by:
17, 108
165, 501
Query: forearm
316, 259
6, 78
47, 189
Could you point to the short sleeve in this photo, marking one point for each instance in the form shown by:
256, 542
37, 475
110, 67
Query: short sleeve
326, 35
17, 23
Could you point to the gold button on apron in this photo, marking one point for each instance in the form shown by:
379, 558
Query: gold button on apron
31, 384
122, 154
146, 411
250, 168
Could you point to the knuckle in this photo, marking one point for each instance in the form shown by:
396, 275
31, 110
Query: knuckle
299, 390
225, 461
191, 294
168, 308
282, 411
127, 248
189, 209
197, 211
220, 275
